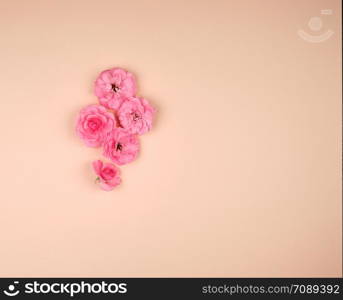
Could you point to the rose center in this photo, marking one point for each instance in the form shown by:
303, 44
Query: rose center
108, 173
135, 116
94, 124
119, 147
114, 88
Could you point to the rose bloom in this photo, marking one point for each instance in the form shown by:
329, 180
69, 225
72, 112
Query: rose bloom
121, 147
108, 175
93, 124
136, 115
112, 86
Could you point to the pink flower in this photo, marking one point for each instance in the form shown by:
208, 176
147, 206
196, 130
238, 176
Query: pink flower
136, 115
108, 175
121, 147
112, 86
93, 125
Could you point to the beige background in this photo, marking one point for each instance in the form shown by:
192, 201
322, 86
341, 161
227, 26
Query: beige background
241, 176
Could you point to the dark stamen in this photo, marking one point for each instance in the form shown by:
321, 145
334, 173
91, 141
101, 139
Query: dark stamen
136, 116
119, 147
114, 88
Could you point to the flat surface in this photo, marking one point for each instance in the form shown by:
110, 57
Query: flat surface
241, 175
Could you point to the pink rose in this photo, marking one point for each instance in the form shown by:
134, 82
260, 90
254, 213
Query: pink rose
93, 125
112, 86
108, 175
136, 115
121, 147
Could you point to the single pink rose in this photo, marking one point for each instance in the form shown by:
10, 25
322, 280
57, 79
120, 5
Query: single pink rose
136, 115
93, 124
108, 175
113, 86
121, 147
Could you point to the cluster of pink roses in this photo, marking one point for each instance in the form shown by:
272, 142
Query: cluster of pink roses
115, 124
